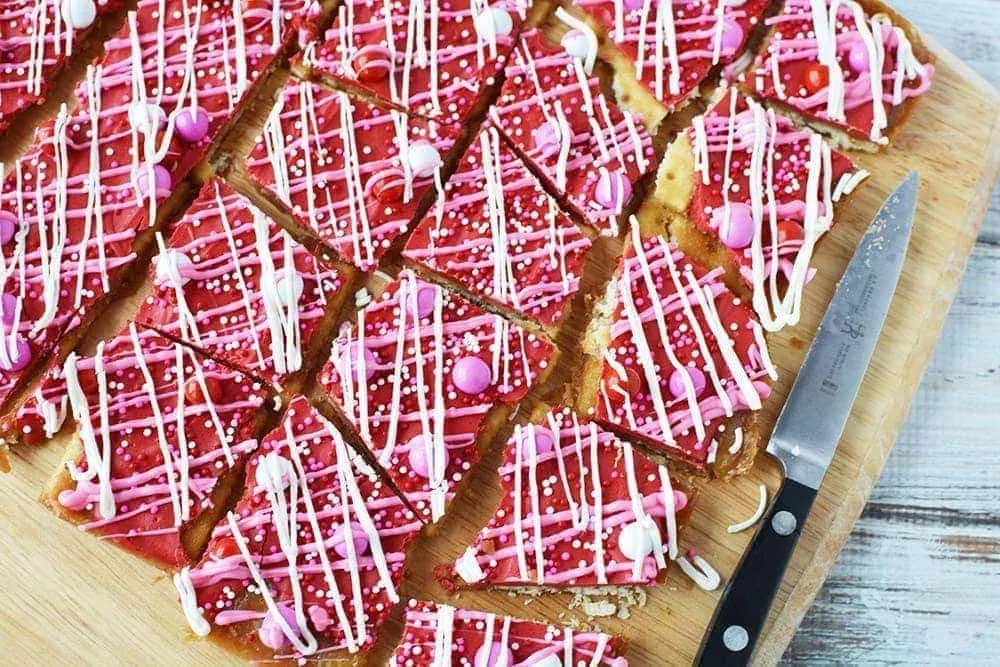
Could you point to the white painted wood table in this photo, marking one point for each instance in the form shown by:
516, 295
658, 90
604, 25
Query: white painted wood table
919, 579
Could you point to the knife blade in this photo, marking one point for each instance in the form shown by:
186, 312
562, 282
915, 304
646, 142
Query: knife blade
811, 422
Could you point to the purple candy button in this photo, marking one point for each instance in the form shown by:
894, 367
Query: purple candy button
8, 302
676, 382
19, 358
191, 127
417, 457
352, 361
544, 442
161, 177
471, 375
490, 655
426, 298
8, 227
857, 57
741, 228
612, 190
732, 35
358, 536
270, 632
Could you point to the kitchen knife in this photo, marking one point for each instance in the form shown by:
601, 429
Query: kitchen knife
810, 425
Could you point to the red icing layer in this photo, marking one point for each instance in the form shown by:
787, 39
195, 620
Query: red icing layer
464, 633
580, 508
435, 59
189, 415
778, 186
69, 247
588, 149
826, 71
662, 323
500, 236
416, 347
333, 578
672, 63
358, 200
249, 294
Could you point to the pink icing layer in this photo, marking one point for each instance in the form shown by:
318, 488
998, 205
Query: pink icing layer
158, 425
578, 140
432, 58
248, 293
703, 38
393, 375
500, 236
858, 46
334, 580
671, 313
479, 638
571, 490
351, 173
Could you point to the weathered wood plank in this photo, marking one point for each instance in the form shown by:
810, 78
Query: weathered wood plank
918, 579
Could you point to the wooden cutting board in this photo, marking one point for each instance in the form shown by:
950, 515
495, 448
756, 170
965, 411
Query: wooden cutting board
74, 600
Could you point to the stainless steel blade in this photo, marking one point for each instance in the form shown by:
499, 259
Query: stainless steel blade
812, 421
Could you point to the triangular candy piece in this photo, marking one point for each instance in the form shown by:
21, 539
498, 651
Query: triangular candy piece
581, 508
310, 560
590, 151
673, 47
233, 284
497, 235
419, 376
678, 360
439, 634
157, 427
352, 174
427, 57
766, 190
858, 72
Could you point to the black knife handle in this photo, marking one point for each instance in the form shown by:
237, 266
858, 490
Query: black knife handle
748, 596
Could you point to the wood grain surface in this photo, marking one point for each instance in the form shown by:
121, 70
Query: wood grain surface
75, 600
918, 581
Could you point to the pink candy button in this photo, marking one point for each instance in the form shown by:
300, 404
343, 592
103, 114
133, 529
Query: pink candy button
161, 177
739, 232
857, 57
8, 303
8, 227
732, 35
543, 444
357, 536
612, 190
191, 127
426, 298
471, 375
546, 138
417, 457
17, 358
270, 632
676, 382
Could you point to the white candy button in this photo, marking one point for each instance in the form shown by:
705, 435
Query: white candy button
173, 258
79, 13
551, 660
494, 22
423, 159
274, 472
289, 291
144, 116
634, 542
